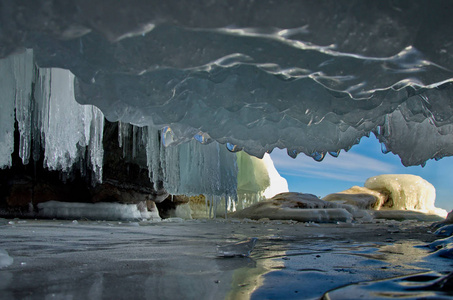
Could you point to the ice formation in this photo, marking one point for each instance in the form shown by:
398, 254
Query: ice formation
358, 196
405, 192
5, 259
307, 76
257, 179
190, 168
96, 211
299, 207
46, 113
198, 81
243, 248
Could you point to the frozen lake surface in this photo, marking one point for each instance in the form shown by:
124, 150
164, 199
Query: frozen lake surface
61, 259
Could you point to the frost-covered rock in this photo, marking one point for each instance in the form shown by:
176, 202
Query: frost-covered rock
405, 192
297, 207
268, 209
299, 200
360, 197
449, 218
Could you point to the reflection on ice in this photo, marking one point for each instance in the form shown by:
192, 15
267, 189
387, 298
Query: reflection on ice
429, 285
179, 259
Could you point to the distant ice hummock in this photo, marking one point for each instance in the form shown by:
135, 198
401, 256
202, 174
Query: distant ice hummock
406, 192
96, 211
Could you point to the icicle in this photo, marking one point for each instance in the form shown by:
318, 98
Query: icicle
67, 126
7, 86
96, 148
124, 138
41, 96
120, 134
210, 207
23, 68
135, 141
226, 207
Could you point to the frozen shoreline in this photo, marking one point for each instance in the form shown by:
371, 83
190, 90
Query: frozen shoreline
94, 260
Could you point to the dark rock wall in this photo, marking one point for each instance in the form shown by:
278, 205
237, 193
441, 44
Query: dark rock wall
125, 180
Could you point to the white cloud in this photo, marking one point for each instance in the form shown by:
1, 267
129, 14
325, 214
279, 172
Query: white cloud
348, 166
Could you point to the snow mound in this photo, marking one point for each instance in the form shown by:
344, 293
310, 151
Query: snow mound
406, 192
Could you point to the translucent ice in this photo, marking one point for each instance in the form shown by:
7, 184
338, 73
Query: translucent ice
257, 178
310, 77
243, 248
68, 127
46, 112
191, 168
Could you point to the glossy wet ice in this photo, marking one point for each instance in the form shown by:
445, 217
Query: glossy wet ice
179, 260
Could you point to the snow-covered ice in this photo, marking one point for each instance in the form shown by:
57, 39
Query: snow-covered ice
406, 192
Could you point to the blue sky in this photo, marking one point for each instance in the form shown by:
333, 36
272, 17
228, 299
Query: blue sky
364, 160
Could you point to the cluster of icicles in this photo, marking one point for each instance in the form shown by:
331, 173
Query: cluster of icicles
69, 135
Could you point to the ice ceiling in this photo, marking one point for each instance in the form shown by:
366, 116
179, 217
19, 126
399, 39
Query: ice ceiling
309, 76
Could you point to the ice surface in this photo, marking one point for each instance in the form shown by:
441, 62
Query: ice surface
427, 285
96, 211
310, 77
406, 192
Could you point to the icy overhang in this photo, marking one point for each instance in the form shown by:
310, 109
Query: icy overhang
309, 76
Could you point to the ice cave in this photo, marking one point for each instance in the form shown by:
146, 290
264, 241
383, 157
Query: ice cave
135, 140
